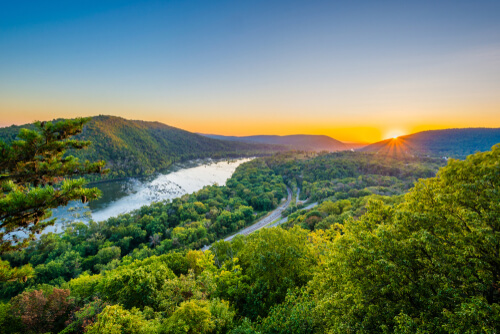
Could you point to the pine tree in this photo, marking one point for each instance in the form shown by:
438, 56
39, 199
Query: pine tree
36, 175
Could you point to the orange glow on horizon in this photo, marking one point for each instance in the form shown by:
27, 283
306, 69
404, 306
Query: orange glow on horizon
395, 147
372, 130
395, 133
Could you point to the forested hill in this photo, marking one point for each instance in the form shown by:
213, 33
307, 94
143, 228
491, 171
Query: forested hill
297, 142
141, 148
456, 143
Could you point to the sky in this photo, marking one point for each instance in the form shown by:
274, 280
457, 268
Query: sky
354, 70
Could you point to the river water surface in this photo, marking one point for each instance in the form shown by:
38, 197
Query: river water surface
127, 195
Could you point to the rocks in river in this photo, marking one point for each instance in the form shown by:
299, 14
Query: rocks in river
178, 182
157, 191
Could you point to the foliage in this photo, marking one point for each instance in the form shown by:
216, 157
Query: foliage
86, 316
222, 315
134, 148
345, 175
200, 316
41, 311
424, 262
185, 223
9, 323
293, 316
245, 327
136, 284
84, 287
191, 317
116, 320
330, 214
33, 171
431, 264
275, 260
11, 274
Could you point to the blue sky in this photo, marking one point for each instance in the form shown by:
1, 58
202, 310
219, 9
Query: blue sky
255, 67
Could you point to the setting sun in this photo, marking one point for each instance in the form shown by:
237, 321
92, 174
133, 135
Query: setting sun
346, 152
394, 134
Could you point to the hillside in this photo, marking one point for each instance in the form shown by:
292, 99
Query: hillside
456, 143
433, 252
296, 142
141, 148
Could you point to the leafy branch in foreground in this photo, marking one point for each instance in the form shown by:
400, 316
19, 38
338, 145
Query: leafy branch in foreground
36, 176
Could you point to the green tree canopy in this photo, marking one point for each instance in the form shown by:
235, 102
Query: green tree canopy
33, 176
430, 265
36, 176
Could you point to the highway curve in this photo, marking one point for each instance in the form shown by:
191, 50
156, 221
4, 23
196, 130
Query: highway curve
263, 221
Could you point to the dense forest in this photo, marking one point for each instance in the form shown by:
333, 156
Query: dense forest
133, 148
350, 174
189, 222
307, 178
391, 247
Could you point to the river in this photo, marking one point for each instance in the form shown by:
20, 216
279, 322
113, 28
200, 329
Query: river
127, 195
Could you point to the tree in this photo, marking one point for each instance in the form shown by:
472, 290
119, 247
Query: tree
290, 317
43, 311
137, 284
86, 316
428, 265
115, 319
191, 317
154, 240
222, 315
12, 274
36, 175
275, 260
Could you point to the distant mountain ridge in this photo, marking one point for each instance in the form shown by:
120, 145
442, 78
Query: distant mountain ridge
133, 147
297, 142
456, 143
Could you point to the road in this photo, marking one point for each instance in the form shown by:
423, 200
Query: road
263, 221
284, 220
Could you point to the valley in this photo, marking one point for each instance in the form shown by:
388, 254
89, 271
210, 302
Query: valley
249, 167
249, 233
122, 196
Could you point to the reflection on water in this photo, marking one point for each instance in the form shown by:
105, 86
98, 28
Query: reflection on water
127, 195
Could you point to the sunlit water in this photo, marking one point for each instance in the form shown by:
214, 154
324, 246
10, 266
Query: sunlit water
124, 196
